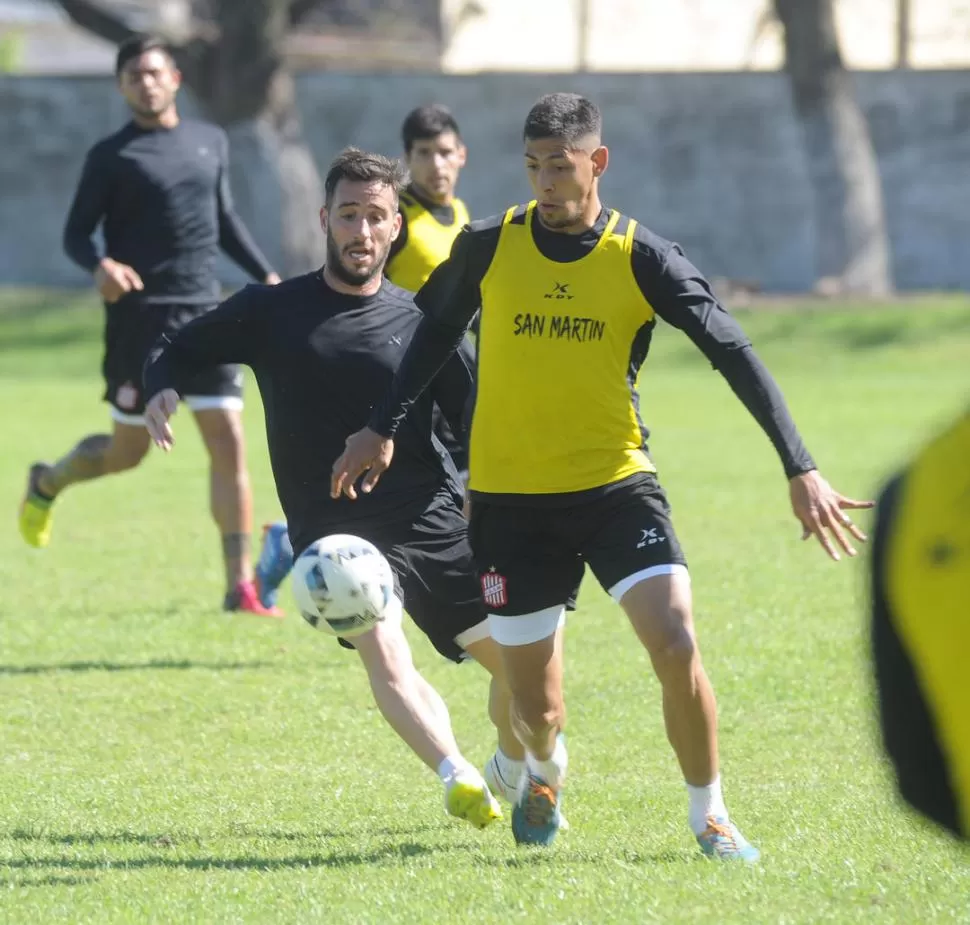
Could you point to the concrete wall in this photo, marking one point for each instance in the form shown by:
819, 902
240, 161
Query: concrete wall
712, 161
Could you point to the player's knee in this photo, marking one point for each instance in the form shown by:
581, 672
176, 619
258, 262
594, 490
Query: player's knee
676, 654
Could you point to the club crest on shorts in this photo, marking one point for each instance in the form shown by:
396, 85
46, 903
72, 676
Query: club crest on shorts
494, 589
126, 397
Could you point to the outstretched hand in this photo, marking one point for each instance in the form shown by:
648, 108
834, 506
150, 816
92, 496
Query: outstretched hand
157, 412
366, 451
820, 508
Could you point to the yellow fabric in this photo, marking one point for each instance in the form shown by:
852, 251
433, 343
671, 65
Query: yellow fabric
928, 578
554, 410
428, 243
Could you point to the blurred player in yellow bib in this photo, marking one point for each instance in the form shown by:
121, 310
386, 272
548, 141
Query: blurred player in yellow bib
431, 214
921, 627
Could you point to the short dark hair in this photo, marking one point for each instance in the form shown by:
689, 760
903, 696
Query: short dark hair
427, 122
565, 116
137, 45
364, 167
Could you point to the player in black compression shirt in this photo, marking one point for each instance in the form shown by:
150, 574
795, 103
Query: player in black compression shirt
432, 216
159, 189
324, 347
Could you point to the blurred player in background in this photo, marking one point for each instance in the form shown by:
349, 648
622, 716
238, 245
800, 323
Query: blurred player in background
920, 572
570, 293
431, 214
159, 189
324, 346
431, 218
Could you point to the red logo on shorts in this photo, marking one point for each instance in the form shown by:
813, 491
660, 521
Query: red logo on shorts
126, 397
494, 589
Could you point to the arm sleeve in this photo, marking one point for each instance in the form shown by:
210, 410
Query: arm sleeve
234, 236
449, 299
683, 298
453, 390
87, 209
230, 333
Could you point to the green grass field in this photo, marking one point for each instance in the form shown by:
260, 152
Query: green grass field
161, 761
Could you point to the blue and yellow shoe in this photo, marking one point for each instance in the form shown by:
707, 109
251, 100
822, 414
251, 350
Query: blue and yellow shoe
275, 562
36, 513
509, 790
536, 819
722, 840
467, 797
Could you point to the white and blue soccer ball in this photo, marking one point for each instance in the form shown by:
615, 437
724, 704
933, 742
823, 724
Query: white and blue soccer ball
343, 585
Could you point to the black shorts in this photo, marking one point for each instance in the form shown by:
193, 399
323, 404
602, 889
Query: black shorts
131, 330
434, 573
533, 557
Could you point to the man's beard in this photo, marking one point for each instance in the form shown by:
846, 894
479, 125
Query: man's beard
353, 277
147, 112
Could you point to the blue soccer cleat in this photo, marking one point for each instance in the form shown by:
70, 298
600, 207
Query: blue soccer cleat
535, 816
722, 840
275, 562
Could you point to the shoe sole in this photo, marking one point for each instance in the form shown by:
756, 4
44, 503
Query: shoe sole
473, 804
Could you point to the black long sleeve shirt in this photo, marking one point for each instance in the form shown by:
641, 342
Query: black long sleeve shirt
322, 359
163, 199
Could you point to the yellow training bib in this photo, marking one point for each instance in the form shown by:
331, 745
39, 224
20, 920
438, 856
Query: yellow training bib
928, 579
556, 409
428, 243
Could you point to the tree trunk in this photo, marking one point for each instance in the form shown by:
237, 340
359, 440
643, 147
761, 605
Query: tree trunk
852, 243
243, 76
300, 185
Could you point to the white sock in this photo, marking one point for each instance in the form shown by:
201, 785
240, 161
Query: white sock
704, 802
510, 770
452, 765
552, 771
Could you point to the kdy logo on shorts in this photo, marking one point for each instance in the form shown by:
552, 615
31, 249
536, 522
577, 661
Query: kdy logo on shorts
649, 538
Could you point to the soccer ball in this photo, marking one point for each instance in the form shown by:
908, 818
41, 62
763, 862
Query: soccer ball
343, 585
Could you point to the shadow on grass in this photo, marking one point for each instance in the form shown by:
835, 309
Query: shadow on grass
335, 859
405, 847
528, 858
157, 839
154, 665
54, 880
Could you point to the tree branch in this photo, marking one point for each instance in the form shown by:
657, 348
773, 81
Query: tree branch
97, 20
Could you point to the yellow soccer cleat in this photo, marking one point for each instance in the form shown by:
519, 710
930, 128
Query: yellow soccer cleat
36, 513
467, 797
